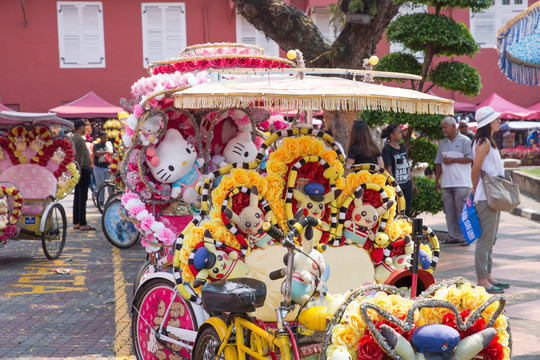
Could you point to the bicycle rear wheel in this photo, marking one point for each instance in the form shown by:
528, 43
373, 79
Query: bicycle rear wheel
118, 231
207, 345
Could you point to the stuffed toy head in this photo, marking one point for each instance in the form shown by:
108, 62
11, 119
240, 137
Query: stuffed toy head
312, 199
4, 221
251, 218
366, 215
150, 129
174, 158
59, 155
216, 263
240, 149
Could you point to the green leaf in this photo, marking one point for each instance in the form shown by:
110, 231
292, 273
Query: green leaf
474, 5
399, 62
445, 35
457, 76
427, 200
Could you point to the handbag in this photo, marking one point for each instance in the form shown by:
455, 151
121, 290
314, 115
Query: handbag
468, 221
501, 194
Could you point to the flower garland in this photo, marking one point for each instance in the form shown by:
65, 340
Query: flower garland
155, 232
11, 229
65, 145
219, 62
117, 158
212, 49
18, 134
146, 87
65, 189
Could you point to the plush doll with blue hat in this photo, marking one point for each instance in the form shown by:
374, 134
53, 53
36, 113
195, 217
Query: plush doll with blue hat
313, 201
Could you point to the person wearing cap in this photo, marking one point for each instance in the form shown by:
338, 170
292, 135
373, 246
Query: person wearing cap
488, 159
82, 157
464, 129
453, 175
101, 166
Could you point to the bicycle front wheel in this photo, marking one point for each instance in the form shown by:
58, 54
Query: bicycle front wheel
118, 231
207, 345
53, 237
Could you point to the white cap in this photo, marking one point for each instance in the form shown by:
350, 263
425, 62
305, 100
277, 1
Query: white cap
485, 115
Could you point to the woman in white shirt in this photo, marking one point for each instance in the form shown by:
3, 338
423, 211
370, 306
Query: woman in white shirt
486, 158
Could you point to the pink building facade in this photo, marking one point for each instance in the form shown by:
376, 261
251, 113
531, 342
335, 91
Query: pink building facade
54, 52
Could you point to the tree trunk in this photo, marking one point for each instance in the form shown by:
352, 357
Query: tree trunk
293, 29
340, 123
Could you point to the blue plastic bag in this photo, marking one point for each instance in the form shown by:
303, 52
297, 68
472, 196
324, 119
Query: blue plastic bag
468, 221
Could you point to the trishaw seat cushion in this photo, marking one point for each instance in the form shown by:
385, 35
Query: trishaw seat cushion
235, 295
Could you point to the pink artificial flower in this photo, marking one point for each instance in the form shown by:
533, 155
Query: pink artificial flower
138, 110
203, 64
167, 236
153, 102
128, 196
144, 242
242, 121
147, 222
133, 167
265, 125
267, 63
258, 142
135, 210
146, 193
280, 125
179, 66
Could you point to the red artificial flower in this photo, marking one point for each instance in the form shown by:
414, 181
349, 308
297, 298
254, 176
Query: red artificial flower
368, 349
203, 64
217, 63
493, 352
179, 66
267, 63
242, 62
230, 62
255, 63
10, 231
191, 65
449, 319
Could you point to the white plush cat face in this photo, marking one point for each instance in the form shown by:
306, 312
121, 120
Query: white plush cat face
240, 149
176, 158
151, 125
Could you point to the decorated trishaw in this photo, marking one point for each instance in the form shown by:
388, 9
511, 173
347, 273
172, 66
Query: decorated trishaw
37, 169
225, 210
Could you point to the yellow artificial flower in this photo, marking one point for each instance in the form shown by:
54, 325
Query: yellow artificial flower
430, 316
470, 298
276, 167
345, 335
186, 273
291, 146
338, 166
454, 295
318, 147
215, 229
306, 144
240, 177
364, 176
329, 155
281, 155
378, 179
383, 301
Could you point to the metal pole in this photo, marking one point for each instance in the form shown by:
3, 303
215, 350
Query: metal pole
417, 238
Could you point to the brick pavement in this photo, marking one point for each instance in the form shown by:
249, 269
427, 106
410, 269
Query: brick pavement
44, 315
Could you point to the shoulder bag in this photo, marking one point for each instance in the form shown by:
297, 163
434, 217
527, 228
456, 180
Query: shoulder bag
501, 194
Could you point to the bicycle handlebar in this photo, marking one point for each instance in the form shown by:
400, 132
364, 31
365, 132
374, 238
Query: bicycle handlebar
277, 274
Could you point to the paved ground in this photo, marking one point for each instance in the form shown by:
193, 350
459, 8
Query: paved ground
84, 315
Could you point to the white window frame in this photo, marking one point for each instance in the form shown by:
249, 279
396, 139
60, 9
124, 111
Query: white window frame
320, 14
91, 53
408, 9
260, 39
485, 24
171, 48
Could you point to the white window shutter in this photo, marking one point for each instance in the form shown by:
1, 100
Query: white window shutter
80, 34
248, 34
321, 18
484, 27
164, 31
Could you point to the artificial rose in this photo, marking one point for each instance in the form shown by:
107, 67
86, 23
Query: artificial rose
368, 349
379, 179
147, 222
157, 226
167, 236
282, 155
230, 62
364, 176
345, 335
191, 65
203, 64
214, 229
454, 295
276, 64
276, 167
306, 144
179, 66
216, 63
142, 214
267, 63
242, 62
127, 196
291, 145
240, 177
329, 155
494, 351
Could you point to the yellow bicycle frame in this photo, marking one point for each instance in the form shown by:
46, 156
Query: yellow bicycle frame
260, 338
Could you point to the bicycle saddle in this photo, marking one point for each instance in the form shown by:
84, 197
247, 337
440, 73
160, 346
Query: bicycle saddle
240, 295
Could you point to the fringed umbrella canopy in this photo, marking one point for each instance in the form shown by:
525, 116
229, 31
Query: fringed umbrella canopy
518, 42
285, 93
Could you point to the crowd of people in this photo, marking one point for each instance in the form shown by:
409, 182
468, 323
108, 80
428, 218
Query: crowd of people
461, 156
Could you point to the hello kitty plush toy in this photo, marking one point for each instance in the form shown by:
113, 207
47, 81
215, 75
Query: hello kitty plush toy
150, 129
240, 149
364, 219
174, 161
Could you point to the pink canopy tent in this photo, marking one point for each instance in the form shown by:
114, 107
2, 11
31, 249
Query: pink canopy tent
535, 107
508, 109
88, 106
